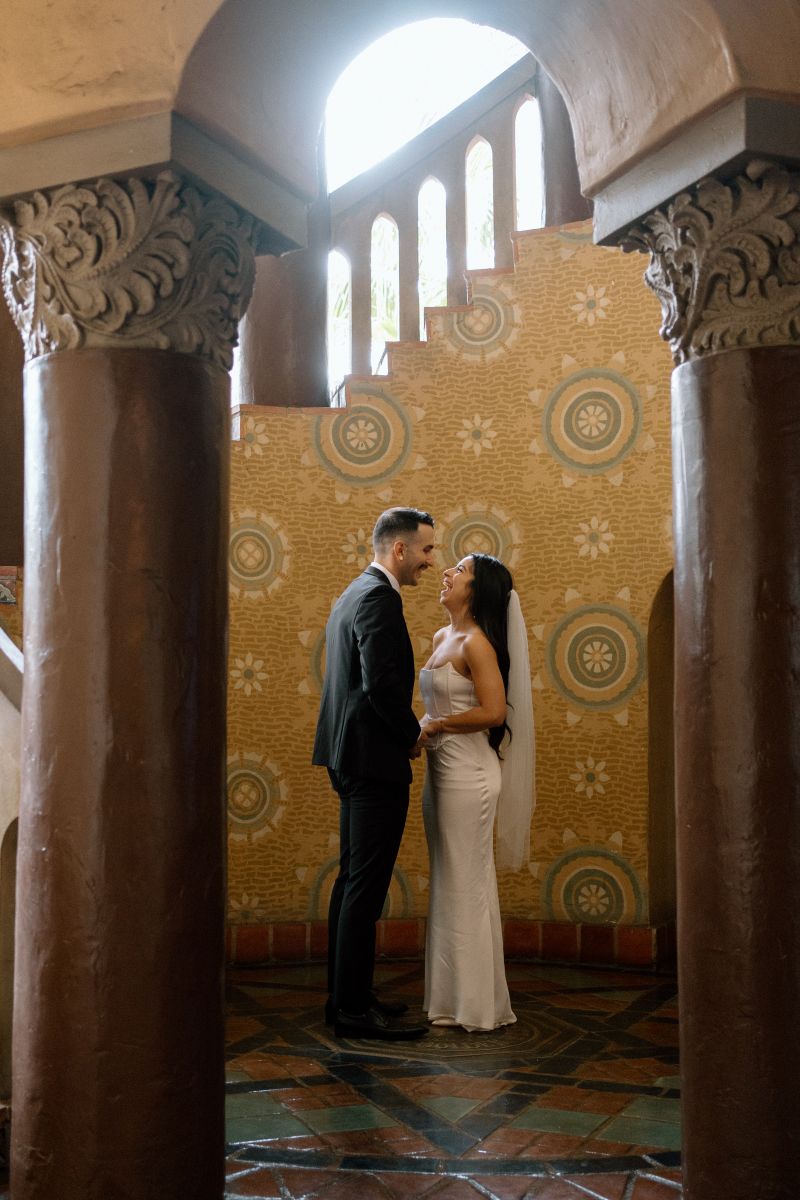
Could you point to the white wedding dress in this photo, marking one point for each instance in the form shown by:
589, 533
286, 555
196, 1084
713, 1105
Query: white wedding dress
465, 981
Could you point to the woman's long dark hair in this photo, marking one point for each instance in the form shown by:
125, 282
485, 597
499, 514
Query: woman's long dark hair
491, 585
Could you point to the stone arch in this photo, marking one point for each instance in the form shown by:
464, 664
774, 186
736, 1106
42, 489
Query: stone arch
621, 67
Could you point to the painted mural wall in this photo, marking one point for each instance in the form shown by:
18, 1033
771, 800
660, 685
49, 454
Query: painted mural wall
534, 425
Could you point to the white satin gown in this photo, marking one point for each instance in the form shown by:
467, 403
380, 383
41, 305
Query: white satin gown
465, 980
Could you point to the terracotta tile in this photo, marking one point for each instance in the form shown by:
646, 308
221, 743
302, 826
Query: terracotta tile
648, 1189
675, 1176
507, 1187
354, 1186
604, 1149
457, 1189
318, 940
263, 1182
251, 943
306, 1181
399, 938
597, 943
635, 945
289, 941
580, 1100
404, 1185
553, 1145
553, 1189
228, 944
504, 1143
258, 1067
610, 1187
234, 1167
559, 941
522, 939
242, 1027
639, 1070
658, 1033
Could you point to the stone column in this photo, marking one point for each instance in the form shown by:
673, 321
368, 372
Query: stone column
563, 201
127, 296
726, 266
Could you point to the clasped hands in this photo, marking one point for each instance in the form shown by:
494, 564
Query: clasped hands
429, 727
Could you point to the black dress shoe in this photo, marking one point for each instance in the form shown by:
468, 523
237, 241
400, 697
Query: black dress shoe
373, 1024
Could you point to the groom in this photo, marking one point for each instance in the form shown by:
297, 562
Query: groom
366, 735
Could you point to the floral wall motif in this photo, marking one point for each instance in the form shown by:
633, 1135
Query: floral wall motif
534, 426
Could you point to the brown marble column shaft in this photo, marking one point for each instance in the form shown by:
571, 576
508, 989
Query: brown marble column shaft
736, 446
724, 266
118, 1058
127, 296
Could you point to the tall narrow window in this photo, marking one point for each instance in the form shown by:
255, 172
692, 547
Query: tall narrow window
385, 279
480, 205
432, 224
339, 320
528, 166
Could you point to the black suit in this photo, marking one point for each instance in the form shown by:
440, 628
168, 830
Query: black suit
365, 730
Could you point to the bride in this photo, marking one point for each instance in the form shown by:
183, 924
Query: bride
478, 731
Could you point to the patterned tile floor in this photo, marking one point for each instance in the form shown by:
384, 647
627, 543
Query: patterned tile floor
579, 1099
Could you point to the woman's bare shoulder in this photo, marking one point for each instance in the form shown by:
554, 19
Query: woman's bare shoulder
477, 646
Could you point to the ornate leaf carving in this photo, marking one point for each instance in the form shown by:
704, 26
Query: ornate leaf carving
725, 262
147, 263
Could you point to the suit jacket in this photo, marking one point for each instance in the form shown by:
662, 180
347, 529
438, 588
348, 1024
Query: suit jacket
366, 724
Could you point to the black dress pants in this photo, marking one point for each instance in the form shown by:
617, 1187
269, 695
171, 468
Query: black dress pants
372, 818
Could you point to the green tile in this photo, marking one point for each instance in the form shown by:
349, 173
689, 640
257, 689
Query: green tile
264, 1129
669, 1081
346, 1117
251, 1104
641, 1133
558, 1120
654, 1108
452, 1108
232, 1076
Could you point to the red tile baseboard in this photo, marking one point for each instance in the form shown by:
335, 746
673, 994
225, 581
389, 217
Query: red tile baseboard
647, 946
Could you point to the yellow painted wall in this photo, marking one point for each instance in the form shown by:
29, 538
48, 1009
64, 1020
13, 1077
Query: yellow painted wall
534, 425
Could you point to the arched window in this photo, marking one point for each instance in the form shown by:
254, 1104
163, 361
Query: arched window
480, 205
385, 286
339, 319
432, 226
528, 167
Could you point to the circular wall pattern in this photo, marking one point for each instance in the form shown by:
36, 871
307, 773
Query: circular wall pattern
596, 656
485, 327
592, 420
258, 554
367, 442
256, 792
317, 656
397, 904
593, 887
482, 531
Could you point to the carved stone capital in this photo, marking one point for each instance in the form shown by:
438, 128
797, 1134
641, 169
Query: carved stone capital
140, 263
725, 262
